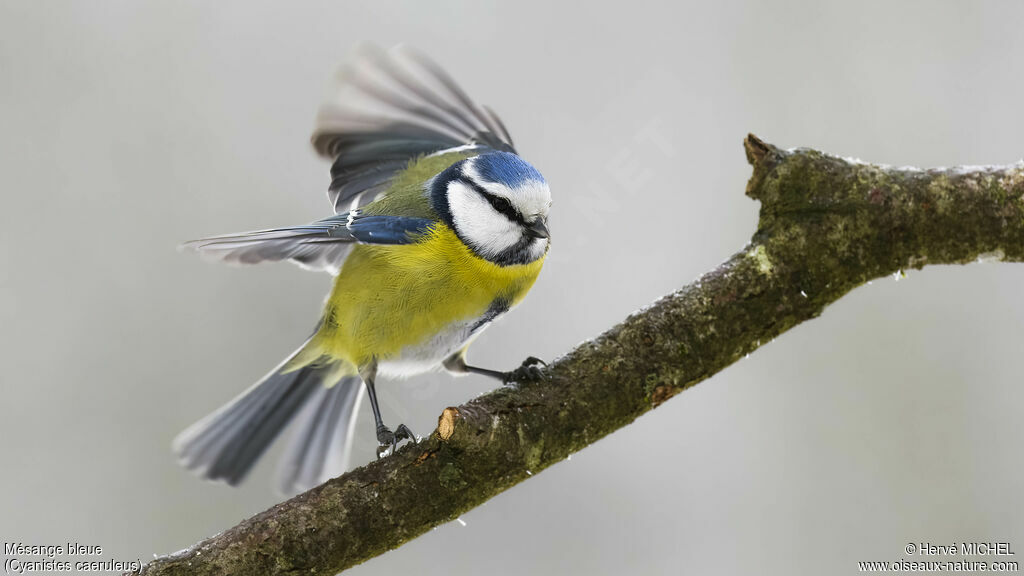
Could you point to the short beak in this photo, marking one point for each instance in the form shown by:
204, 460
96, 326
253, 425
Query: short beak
538, 228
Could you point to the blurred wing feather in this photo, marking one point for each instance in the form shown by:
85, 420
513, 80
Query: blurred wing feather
322, 245
391, 108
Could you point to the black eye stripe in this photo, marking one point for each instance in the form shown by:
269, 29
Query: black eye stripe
500, 204
504, 206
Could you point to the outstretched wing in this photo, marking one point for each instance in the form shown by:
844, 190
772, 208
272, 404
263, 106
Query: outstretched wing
321, 245
391, 108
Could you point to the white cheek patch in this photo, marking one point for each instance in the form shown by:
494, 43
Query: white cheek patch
488, 231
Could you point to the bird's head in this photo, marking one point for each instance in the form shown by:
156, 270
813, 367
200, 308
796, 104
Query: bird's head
497, 204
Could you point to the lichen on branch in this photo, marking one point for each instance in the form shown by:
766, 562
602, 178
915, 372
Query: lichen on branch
827, 225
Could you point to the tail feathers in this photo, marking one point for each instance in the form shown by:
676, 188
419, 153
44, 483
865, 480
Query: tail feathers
319, 450
226, 444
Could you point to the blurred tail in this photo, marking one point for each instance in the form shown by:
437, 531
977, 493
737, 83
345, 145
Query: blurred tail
227, 443
319, 450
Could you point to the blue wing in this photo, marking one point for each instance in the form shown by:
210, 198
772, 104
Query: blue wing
388, 229
392, 107
322, 245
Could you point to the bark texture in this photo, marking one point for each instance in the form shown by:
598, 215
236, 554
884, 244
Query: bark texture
827, 225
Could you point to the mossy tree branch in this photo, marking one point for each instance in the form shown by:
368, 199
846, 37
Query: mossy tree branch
827, 225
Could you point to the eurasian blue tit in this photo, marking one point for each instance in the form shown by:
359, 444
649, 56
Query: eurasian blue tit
439, 229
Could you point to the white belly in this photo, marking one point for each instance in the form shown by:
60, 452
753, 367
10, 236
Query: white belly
428, 356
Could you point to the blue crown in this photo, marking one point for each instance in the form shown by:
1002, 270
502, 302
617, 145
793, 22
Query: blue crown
506, 168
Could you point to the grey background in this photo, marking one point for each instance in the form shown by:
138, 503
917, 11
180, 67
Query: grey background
128, 127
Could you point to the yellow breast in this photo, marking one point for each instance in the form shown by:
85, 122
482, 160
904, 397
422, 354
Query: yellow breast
391, 297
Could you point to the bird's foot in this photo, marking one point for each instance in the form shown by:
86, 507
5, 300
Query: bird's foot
389, 440
528, 371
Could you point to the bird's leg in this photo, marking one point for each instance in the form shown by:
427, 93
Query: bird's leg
526, 372
385, 437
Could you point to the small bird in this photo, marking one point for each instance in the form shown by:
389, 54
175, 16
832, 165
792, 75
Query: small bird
439, 229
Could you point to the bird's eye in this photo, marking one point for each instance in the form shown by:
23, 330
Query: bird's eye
503, 206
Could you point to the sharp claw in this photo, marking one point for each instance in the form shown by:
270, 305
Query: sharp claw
404, 433
532, 360
528, 370
389, 440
